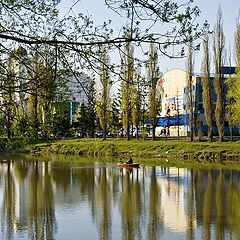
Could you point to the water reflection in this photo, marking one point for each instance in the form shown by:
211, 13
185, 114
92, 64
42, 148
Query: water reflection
53, 200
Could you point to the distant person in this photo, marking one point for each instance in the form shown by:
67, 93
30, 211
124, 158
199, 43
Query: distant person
163, 131
120, 161
129, 161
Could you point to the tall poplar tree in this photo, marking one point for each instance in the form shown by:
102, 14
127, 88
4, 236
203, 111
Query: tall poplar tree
9, 98
33, 98
206, 86
218, 48
190, 97
127, 72
136, 101
104, 100
152, 77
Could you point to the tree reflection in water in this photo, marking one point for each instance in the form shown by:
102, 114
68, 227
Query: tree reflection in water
39, 198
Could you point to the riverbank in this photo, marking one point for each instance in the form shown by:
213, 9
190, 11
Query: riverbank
163, 148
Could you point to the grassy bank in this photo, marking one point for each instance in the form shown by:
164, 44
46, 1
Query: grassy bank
163, 148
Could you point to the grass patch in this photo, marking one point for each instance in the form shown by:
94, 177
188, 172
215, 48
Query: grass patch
140, 148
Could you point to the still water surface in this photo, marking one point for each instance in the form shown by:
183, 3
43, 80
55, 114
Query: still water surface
94, 200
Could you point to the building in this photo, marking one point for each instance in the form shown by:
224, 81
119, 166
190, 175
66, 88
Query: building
78, 85
174, 112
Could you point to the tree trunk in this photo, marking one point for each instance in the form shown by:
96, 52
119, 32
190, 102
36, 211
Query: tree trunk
231, 133
104, 131
153, 133
210, 133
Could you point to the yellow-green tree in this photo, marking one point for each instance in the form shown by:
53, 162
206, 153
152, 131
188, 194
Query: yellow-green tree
218, 49
206, 86
136, 101
104, 100
234, 83
190, 65
152, 77
127, 73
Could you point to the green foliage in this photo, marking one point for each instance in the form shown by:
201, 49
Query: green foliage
82, 120
104, 100
233, 84
218, 48
136, 102
207, 91
127, 73
152, 77
114, 119
190, 83
61, 120
41, 44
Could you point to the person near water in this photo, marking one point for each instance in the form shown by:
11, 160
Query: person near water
129, 161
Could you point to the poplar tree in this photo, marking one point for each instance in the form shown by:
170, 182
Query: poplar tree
127, 79
206, 86
91, 105
33, 96
104, 100
136, 101
152, 77
190, 97
218, 49
42, 93
17, 72
9, 98
114, 122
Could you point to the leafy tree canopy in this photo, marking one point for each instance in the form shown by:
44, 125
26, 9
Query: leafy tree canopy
37, 22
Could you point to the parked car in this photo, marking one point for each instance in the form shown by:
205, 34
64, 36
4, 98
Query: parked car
78, 134
98, 134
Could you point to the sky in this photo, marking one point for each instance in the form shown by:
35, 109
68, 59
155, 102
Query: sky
209, 9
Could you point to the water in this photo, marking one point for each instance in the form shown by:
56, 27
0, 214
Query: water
94, 200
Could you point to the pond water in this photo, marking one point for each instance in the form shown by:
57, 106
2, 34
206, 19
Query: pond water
96, 200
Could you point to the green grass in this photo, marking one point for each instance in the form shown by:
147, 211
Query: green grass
139, 148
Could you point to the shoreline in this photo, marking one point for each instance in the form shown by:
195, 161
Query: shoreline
172, 149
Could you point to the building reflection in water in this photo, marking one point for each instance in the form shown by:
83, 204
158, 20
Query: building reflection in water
39, 198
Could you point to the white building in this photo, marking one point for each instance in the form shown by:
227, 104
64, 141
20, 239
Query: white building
79, 85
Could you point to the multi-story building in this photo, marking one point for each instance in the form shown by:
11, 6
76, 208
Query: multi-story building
174, 112
78, 85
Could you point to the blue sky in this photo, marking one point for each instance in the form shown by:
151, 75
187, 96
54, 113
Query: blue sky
208, 8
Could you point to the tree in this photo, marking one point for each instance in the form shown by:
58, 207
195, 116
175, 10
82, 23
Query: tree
81, 120
136, 101
218, 49
152, 77
26, 21
13, 92
9, 100
114, 120
91, 105
37, 23
127, 81
37, 27
206, 85
104, 100
234, 83
190, 97
41, 95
